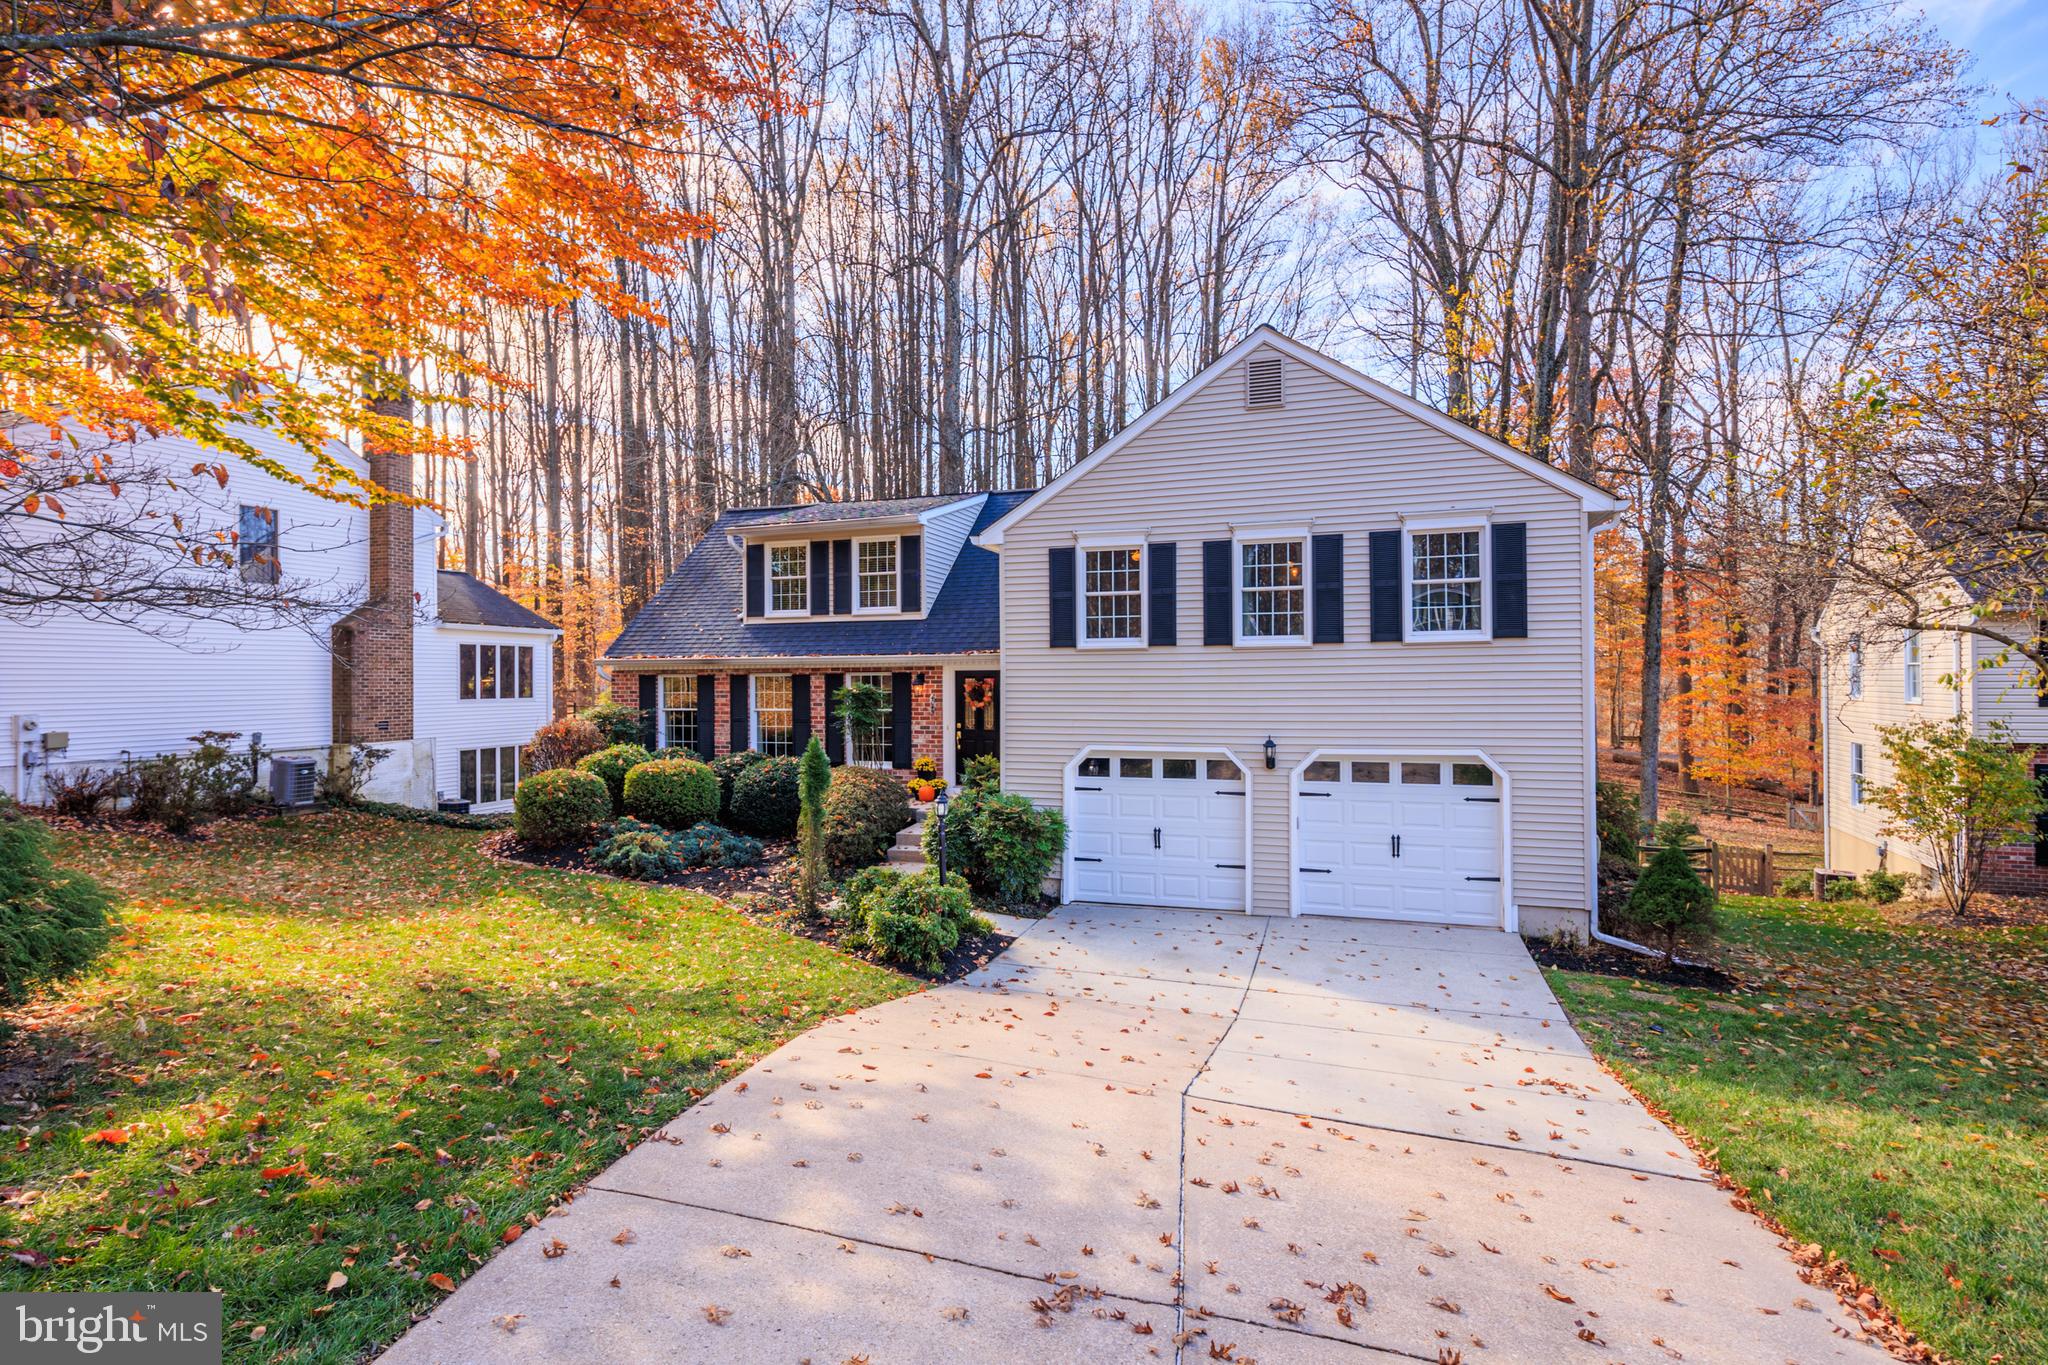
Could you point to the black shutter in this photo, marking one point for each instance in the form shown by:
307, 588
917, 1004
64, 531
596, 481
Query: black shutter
899, 720
820, 559
742, 729
842, 577
1511, 581
1162, 606
1326, 568
707, 716
1059, 594
910, 564
757, 585
1385, 552
835, 725
1216, 592
650, 710
800, 709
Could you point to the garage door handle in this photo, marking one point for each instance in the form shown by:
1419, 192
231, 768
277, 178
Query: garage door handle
1397, 845
1238, 866
1482, 879
1079, 859
1323, 870
1225, 791
1324, 795
1155, 836
1489, 800
1087, 789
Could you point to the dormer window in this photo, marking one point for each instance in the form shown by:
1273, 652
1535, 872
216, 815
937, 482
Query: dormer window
789, 579
876, 575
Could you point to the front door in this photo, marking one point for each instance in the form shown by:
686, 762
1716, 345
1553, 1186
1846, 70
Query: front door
977, 714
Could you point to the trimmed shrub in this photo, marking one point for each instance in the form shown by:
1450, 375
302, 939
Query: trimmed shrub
674, 793
559, 743
1884, 887
559, 806
914, 921
1671, 902
1796, 885
728, 767
616, 721
709, 845
864, 810
181, 791
858, 893
1619, 813
961, 855
983, 771
638, 851
1844, 889
1016, 846
765, 800
612, 763
813, 780
52, 924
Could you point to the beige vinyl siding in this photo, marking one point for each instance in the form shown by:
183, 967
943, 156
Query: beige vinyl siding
1333, 459
1858, 830
945, 532
2003, 689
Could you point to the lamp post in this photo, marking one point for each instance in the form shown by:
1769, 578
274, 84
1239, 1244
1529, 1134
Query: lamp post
941, 803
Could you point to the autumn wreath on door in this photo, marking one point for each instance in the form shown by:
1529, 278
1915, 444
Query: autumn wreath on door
978, 694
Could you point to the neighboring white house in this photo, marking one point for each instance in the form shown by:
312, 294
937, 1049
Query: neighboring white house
1284, 553
80, 692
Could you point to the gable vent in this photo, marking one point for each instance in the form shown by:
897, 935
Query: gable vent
1265, 382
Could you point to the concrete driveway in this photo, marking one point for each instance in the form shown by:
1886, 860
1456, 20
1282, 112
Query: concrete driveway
1155, 1135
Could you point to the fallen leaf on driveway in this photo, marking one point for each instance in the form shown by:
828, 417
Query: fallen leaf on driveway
715, 1315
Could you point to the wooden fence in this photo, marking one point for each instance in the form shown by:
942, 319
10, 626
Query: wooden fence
1734, 869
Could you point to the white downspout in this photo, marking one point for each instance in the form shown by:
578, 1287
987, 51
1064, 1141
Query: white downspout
1827, 786
1593, 771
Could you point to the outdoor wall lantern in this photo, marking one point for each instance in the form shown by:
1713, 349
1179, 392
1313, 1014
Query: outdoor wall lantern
1271, 750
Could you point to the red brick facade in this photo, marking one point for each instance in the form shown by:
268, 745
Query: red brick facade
2010, 871
927, 706
372, 645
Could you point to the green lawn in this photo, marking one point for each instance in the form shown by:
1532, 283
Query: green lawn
1881, 1089
345, 1044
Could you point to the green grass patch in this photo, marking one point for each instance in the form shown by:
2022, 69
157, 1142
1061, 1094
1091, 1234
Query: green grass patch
1881, 1088
345, 1044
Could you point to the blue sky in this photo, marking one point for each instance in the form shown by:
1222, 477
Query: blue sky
2009, 39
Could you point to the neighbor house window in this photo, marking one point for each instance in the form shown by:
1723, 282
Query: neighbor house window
467, 670
871, 746
875, 570
1445, 574
489, 774
678, 718
1855, 667
1912, 661
493, 671
789, 578
1113, 595
1272, 601
526, 670
256, 544
1855, 774
774, 720
487, 670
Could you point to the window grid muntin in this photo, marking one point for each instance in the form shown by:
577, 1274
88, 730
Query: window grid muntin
789, 578
1912, 662
1272, 590
1445, 596
1113, 594
774, 714
872, 747
679, 712
875, 575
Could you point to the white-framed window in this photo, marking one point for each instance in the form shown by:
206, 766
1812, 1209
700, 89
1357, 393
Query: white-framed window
1113, 595
870, 748
1855, 668
1445, 572
774, 714
875, 574
789, 579
1912, 666
677, 728
1855, 774
491, 672
488, 775
256, 550
1272, 591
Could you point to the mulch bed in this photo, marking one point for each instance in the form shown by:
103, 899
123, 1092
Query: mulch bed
1606, 960
764, 893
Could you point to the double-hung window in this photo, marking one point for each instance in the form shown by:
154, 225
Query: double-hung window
789, 579
256, 544
774, 715
1855, 668
1113, 596
1912, 662
679, 713
1272, 591
1855, 774
875, 575
870, 745
1446, 571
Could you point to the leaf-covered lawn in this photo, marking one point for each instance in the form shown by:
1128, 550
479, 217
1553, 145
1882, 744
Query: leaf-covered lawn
1882, 1089
344, 1045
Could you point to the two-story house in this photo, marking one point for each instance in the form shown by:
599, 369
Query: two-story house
1291, 643
442, 671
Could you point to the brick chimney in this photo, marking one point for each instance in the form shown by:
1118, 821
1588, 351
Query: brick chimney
373, 643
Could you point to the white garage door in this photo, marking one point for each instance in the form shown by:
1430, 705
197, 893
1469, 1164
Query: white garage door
1148, 829
1398, 838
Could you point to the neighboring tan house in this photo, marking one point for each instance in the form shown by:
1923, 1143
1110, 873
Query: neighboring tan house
1291, 643
1873, 676
448, 674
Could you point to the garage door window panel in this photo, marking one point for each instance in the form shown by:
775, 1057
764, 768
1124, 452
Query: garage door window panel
1371, 772
1223, 770
1471, 775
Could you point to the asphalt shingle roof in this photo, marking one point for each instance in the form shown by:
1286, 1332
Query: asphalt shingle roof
467, 601
1982, 535
696, 614
820, 513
